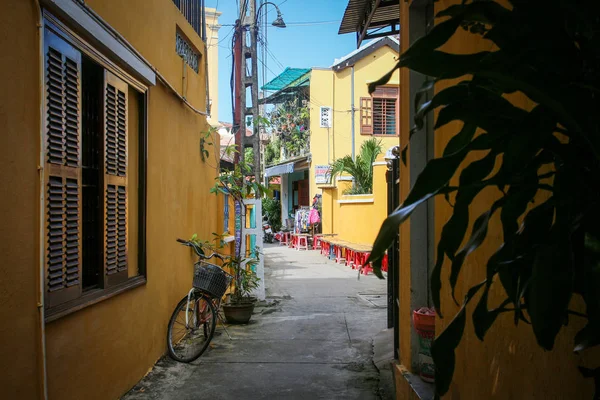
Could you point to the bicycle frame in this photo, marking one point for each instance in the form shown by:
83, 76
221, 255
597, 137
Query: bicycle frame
215, 302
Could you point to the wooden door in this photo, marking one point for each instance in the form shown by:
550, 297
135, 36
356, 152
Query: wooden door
303, 194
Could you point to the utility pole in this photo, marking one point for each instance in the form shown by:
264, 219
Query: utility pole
253, 82
238, 115
249, 22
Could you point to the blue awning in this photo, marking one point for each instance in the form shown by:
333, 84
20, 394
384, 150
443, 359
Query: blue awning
282, 169
289, 77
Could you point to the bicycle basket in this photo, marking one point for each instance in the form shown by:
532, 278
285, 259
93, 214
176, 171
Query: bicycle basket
211, 279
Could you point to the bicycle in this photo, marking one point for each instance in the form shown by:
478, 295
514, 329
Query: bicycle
192, 325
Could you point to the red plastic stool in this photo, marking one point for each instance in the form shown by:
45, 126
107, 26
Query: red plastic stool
339, 255
302, 242
350, 258
325, 247
317, 242
285, 239
367, 268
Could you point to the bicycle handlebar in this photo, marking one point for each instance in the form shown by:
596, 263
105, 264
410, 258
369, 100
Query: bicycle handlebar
198, 250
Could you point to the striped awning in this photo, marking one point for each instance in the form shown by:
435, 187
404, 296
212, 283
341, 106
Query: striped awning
281, 169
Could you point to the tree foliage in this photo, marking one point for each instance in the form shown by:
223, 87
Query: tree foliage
289, 124
544, 163
361, 169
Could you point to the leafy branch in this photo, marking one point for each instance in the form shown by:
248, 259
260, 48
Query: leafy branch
544, 161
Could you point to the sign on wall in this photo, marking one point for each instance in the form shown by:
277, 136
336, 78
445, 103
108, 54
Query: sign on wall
322, 173
238, 227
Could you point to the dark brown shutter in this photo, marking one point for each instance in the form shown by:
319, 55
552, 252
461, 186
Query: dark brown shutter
366, 116
115, 179
385, 111
62, 138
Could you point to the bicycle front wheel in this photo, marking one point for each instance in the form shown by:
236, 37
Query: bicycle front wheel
191, 328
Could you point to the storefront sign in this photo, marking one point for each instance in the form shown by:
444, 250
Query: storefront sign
322, 173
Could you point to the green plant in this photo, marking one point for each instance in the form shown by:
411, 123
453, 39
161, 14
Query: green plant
236, 184
272, 151
289, 123
360, 169
205, 141
544, 163
272, 210
249, 281
249, 154
245, 279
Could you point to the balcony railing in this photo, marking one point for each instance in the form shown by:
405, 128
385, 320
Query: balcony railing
193, 11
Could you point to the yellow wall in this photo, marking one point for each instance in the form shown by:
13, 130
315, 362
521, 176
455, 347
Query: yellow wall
341, 213
508, 364
20, 343
333, 89
405, 124
100, 351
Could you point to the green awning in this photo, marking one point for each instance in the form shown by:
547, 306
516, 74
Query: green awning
291, 77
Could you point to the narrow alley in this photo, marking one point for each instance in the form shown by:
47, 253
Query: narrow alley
311, 340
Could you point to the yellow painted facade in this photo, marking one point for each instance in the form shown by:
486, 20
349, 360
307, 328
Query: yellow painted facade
102, 350
342, 213
333, 89
508, 364
329, 88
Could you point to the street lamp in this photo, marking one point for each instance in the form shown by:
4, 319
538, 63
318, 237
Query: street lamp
278, 23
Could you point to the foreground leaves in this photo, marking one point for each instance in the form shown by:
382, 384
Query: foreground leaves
543, 163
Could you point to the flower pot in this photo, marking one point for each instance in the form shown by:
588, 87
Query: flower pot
238, 313
424, 323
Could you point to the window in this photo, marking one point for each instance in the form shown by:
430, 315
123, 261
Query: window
187, 52
325, 117
379, 113
92, 218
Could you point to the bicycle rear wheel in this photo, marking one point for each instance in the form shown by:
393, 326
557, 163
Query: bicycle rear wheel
187, 340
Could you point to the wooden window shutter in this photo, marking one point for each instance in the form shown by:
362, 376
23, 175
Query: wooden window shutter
115, 180
366, 116
385, 111
62, 139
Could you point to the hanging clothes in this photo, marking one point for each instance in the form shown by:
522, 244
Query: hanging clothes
302, 220
313, 216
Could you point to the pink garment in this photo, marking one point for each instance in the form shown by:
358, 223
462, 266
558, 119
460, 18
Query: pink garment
313, 216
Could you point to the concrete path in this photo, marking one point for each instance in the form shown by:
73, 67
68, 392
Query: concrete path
312, 340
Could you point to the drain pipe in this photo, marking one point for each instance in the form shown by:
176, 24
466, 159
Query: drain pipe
41, 277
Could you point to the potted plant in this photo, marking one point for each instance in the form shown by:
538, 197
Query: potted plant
240, 304
239, 307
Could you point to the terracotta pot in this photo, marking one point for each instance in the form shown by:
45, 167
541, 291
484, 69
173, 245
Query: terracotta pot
238, 313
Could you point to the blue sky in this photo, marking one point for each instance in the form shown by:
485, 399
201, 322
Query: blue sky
310, 39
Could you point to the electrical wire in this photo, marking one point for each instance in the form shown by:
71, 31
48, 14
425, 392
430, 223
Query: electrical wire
223, 39
299, 23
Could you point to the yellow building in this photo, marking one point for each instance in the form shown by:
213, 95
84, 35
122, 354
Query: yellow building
102, 107
336, 91
343, 115
509, 364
